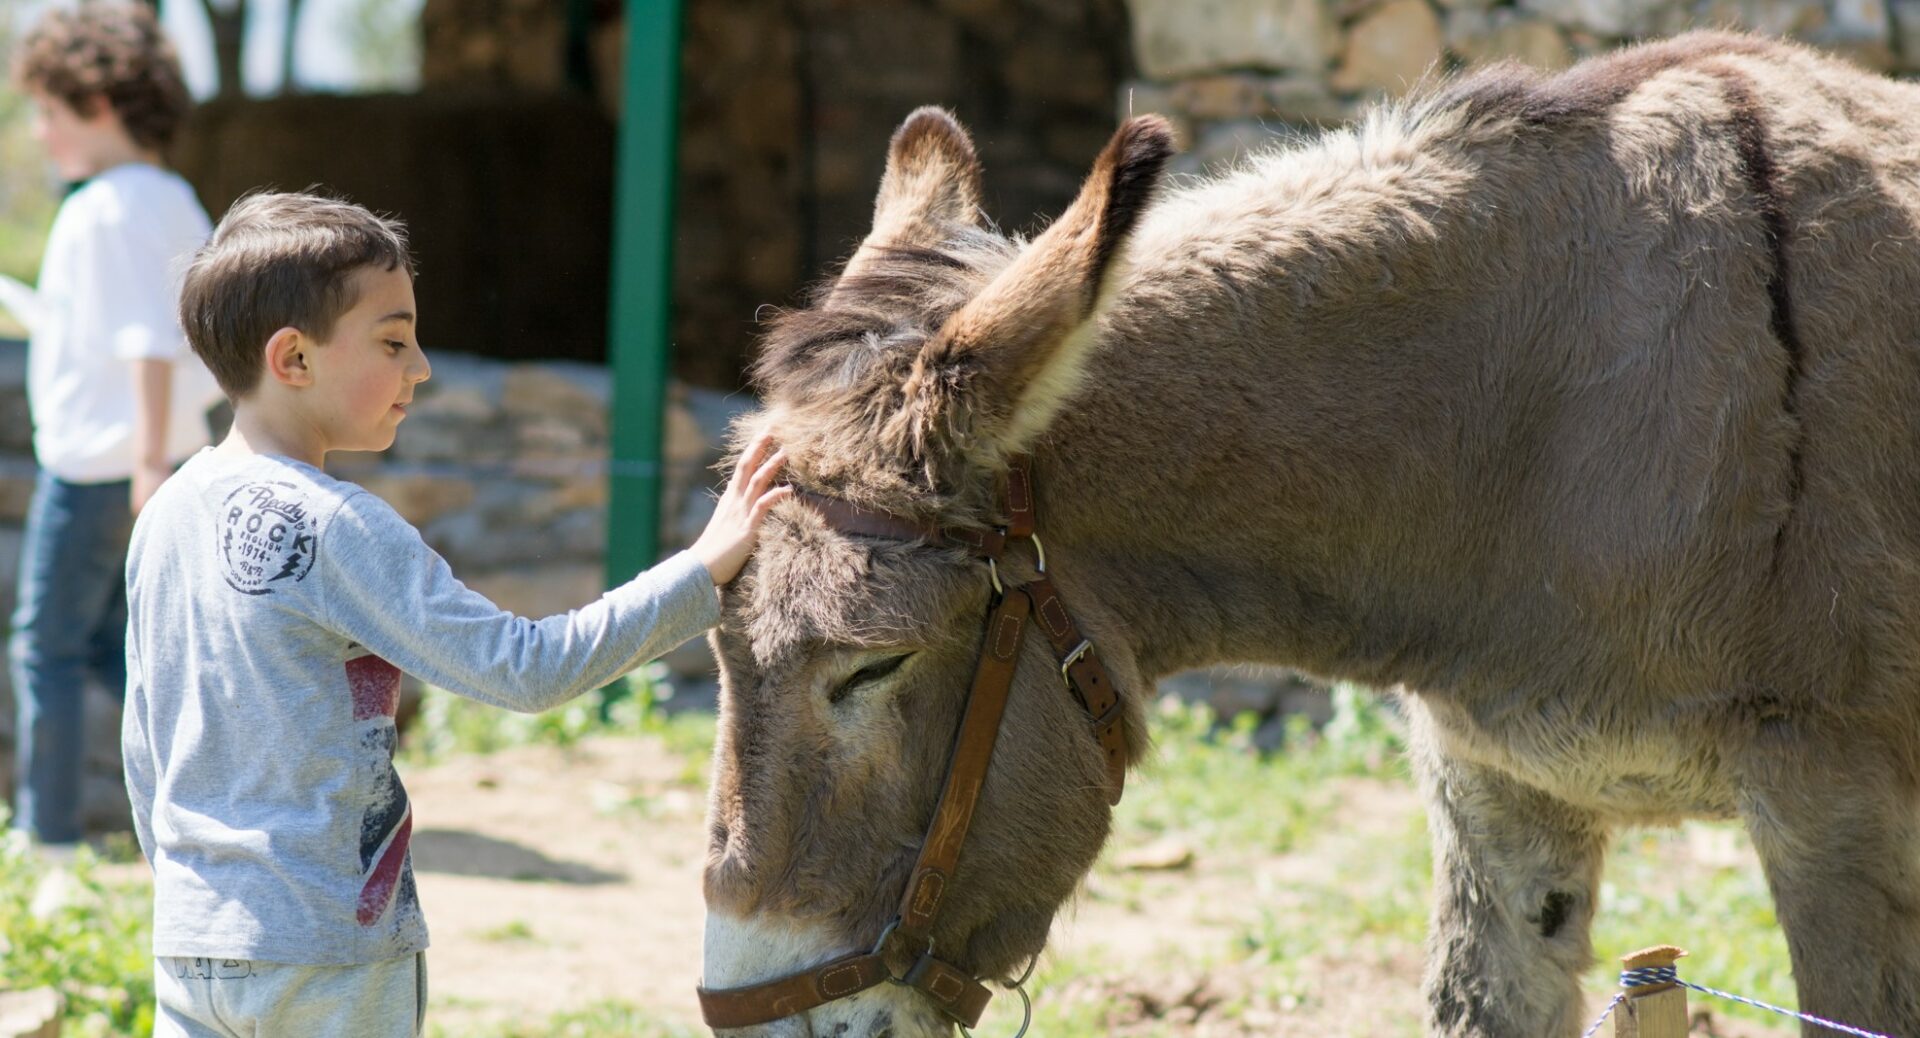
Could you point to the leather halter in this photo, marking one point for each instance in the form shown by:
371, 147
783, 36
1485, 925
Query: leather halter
909, 938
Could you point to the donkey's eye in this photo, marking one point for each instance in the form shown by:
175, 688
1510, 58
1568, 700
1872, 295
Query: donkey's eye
867, 675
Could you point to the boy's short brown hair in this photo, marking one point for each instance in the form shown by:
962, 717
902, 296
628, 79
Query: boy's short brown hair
279, 260
114, 52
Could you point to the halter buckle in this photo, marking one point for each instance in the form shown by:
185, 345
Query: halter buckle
1072, 658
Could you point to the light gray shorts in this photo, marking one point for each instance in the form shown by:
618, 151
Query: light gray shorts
234, 998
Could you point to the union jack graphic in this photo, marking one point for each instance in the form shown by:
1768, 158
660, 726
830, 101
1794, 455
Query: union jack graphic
387, 826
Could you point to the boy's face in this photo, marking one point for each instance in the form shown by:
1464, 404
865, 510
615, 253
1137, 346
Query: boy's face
364, 374
79, 144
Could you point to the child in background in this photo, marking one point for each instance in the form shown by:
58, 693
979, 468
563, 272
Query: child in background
116, 399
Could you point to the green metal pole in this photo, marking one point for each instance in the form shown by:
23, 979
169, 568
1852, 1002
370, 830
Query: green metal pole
642, 284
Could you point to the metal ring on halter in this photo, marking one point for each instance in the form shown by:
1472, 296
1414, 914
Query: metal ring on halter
993, 570
1039, 550
1019, 987
880, 946
884, 934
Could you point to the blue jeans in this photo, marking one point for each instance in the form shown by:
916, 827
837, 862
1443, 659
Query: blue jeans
70, 625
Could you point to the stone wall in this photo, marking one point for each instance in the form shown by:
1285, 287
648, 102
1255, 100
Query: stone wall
786, 107
785, 111
1231, 71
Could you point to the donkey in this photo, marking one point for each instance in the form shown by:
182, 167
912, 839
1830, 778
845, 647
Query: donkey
1583, 410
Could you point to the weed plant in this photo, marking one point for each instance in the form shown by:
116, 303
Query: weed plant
67, 927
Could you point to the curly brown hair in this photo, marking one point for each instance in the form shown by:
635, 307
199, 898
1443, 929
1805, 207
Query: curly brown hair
111, 51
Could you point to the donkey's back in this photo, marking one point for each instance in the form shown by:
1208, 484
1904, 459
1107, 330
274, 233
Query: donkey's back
1745, 278
1722, 244
1650, 326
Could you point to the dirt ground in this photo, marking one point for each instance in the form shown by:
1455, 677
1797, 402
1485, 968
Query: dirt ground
553, 879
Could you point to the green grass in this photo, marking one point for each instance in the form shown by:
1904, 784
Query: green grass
514, 932
69, 929
1697, 885
1206, 783
449, 725
1657, 892
600, 1020
1209, 789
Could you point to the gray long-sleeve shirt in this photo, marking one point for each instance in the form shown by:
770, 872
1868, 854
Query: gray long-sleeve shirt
271, 611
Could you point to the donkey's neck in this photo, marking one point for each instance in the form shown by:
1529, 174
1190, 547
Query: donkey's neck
1262, 463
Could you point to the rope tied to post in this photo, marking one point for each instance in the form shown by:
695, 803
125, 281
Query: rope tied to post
1637, 978
1648, 976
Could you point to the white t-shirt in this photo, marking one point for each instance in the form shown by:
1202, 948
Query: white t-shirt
110, 284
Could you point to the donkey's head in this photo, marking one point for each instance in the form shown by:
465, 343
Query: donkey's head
942, 349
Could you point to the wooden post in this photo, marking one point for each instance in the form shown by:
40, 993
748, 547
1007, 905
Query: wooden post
1654, 1010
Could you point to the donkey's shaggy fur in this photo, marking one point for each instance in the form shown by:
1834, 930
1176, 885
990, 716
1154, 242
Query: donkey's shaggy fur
1584, 409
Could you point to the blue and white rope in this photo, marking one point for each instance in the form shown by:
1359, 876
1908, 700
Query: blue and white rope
1651, 975
1808, 1017
1604, 1013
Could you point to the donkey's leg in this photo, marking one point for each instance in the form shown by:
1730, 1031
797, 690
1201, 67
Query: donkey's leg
1836, 833
1516, 877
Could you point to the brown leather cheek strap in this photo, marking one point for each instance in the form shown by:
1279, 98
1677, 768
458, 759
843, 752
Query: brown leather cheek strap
953, 990
1087, 679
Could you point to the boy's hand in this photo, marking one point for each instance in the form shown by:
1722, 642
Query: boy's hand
730, 535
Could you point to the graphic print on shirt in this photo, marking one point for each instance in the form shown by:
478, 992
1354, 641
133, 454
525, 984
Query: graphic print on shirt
266, 537
387, 826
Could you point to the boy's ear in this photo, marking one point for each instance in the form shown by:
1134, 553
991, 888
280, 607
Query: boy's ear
289, 354
93, 107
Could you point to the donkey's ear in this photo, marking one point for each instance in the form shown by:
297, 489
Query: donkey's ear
998, 370
932, 178
932, 183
